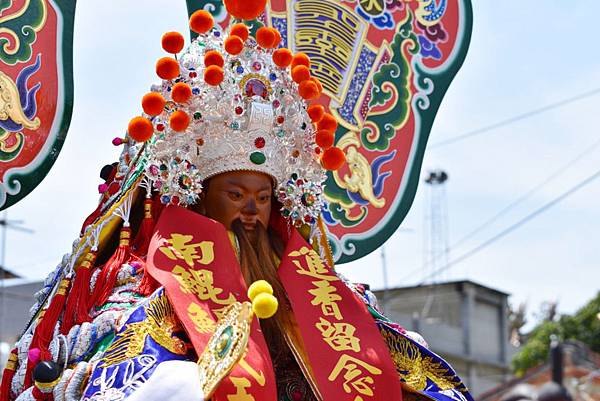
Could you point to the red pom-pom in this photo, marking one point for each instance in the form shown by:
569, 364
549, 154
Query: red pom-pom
240, 30
173, 42
282, 57
318, 83
140, 129
327, 123
300, 59
201, 21
324, 139
315, 112
153, 103
167, 68
333, 158
213, 57
181, 92
179, 121
308, 90
300, 73
213, 75
277, 40
265, 37
233, 45
245, 9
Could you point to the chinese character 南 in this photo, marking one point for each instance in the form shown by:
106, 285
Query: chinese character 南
180, 248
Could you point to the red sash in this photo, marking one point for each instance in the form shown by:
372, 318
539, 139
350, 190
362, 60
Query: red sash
345, 349
191, 256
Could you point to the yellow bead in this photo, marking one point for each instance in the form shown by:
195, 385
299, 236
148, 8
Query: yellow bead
264, 305
259, 287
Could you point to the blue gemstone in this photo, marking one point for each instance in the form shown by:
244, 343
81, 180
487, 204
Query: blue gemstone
165, 199
273, 76
195, 91
240, 69
217, 33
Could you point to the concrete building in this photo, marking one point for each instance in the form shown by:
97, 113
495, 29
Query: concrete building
464, 322
16, 298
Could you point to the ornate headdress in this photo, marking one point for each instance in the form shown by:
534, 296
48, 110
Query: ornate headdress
234, 102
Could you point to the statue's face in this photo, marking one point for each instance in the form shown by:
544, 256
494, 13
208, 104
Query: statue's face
244, 195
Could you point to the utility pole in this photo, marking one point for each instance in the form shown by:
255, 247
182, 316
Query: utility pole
436, 224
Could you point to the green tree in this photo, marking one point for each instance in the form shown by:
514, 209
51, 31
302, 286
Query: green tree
583, 326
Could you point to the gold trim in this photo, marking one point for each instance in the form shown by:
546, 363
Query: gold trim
47, 386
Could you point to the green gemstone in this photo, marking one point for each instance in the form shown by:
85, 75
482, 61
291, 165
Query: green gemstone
280, 133
197, 115
258, 158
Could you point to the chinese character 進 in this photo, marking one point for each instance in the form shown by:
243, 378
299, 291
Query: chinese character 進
314, 266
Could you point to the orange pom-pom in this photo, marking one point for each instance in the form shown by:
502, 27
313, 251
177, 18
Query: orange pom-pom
327, 123
140, 129
201, 21
240, 30
300, 73
213, 75
245, 9
181, 92
277, 39
233, 45
282, 57
167, 68
324, 139
172, 42
153, 103
333, 158
308, 90
318, 83
300, 59
179, 121
265, 37
315, 112
213, 57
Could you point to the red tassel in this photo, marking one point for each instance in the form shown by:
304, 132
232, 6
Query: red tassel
7, 376
45, 329
107, 278
76, 311
148, 284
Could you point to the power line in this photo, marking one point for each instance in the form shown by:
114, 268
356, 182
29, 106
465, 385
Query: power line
516, 225
525, 196
514, 119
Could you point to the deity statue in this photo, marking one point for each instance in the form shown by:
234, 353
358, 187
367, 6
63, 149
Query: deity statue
205, 271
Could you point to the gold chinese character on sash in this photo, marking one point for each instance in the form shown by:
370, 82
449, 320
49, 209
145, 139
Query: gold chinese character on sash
202, 321
180, 248
339, 336
313, 267
200, 283
326, 296
357, 375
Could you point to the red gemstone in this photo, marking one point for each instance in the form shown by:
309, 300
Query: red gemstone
193, 74
160, 127
280, 119
175, 200
239, 110
259, 142
318, 151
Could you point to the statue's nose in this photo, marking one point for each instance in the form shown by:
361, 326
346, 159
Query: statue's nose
250, 207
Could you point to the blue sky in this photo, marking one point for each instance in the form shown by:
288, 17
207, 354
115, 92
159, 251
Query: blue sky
523, 55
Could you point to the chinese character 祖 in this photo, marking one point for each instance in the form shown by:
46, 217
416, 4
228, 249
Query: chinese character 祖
357, 375
340, 336
200, 283
179, 248
314, 266
202, 321
326, 296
